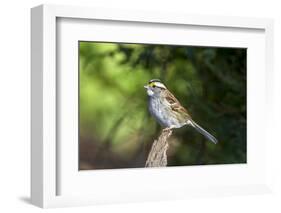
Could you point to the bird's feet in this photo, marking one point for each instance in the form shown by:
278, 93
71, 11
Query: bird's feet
167, 129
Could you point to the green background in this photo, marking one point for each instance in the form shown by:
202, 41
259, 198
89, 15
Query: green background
116, 129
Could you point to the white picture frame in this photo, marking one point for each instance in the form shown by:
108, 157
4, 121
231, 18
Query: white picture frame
46, 166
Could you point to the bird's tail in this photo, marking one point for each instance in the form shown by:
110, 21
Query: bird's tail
203, 131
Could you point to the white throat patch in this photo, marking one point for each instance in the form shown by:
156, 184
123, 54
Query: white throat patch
150, 92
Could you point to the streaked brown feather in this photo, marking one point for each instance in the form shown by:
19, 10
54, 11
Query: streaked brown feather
175, 104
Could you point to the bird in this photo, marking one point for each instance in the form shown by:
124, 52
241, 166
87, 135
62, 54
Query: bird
168, 111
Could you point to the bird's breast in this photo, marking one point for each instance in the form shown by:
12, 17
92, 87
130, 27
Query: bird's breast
161, 112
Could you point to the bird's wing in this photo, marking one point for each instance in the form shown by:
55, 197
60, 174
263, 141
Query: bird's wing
175, 104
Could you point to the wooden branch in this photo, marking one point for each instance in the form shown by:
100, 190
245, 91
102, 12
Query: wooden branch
157, 156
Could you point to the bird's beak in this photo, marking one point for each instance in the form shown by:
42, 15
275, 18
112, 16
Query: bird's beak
146, 87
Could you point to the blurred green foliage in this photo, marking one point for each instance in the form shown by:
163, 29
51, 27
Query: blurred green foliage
116, 129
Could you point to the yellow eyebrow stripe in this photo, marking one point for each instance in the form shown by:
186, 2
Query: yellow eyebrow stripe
151, 84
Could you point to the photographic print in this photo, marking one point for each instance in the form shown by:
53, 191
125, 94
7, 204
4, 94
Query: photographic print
148, 105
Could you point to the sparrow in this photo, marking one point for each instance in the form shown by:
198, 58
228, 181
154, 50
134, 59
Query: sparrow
168, 111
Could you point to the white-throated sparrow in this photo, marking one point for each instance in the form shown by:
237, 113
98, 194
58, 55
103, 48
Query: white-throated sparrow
168, 111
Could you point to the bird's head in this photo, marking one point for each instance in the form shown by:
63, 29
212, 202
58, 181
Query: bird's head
154, 87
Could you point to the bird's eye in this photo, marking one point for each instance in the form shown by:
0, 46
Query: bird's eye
153, 86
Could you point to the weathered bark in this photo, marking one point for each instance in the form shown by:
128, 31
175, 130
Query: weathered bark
157, 156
